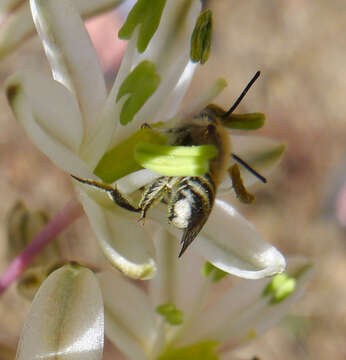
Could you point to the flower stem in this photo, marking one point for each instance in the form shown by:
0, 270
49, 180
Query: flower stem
71, 212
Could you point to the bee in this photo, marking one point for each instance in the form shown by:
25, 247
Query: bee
189, 199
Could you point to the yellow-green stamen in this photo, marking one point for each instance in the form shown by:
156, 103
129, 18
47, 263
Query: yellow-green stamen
251, 121
280, 287
205, 350
172, 315
120, 161
175, 160
201, 37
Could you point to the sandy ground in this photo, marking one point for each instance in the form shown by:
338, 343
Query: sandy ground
300, 46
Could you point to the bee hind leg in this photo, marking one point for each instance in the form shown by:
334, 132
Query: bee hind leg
238, 186
153, 193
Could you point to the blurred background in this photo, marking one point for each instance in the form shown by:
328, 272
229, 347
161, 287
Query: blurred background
300, 47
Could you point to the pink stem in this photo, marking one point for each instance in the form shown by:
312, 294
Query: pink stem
71, 212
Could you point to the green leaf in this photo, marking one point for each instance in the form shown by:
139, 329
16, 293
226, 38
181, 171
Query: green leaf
205, 350
201, 37
120, 161
141, 83
251, 121
146, 13
175, 160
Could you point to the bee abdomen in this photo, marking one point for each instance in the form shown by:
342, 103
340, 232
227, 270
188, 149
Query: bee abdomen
191, 202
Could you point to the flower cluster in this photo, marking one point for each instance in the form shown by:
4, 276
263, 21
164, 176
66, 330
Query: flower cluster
76, 124
100, 137
172, 320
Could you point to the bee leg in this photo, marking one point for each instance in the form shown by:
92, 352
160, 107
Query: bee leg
153, 192
238, 186
112, 192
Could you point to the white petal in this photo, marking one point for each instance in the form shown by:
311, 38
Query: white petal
16, 28
179, 280
232, 244
169, 50
134, 181
123, 240
109, 119
243, 312
71, 55
262, 153
18, 25
65, 320
51, 118
129, 315
175, 98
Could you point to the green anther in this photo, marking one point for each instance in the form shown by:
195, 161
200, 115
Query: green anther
252, 121
205, 350
281, 286
212, 272
171, 314
120, 161
147, 14
175, 160
140, 84
201, 37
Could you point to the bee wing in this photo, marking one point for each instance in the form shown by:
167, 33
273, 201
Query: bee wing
191, 232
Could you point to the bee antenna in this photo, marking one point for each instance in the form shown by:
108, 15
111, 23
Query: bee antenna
249, 168
240, 98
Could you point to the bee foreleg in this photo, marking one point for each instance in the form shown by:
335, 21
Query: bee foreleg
112, 192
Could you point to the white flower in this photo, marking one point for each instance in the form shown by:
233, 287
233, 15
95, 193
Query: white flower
181, 318
16, 24
73, 121
178, 317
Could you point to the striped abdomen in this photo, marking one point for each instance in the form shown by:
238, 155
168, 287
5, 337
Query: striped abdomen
190, 204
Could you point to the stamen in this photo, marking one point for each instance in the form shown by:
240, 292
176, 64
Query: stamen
175, 160
171, 314
281, 286
201, 37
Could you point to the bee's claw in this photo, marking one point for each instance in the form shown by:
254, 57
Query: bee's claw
146, 126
